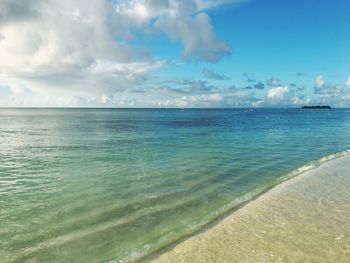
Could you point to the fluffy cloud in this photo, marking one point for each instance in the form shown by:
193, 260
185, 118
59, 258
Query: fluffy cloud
319, 81
181, 87
70, 34
196, 35
335, 94
273, 82
323, 88
69, 53
215, 97
183, 20
328, 89
80, 52
279, 93
210, 74
64, 35
258, 85
283, 96
347, 83
205, 4
11, 11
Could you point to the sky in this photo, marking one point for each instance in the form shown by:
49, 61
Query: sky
174, 53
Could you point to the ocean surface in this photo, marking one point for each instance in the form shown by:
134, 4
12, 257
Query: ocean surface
114, 185
305, 219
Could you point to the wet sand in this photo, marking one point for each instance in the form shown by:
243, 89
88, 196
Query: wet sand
305, 219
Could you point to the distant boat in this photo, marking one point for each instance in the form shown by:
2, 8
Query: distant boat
321, 107
248, 110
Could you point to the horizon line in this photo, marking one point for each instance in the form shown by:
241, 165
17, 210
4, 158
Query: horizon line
135, 108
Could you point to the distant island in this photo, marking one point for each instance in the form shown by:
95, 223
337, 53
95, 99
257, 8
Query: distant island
317, 107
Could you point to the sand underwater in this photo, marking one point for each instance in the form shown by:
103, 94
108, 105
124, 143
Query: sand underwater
305, 219
119, 185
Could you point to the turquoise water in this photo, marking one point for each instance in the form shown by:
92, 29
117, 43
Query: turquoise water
100, 185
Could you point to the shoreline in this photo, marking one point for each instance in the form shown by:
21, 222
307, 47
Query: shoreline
281, 186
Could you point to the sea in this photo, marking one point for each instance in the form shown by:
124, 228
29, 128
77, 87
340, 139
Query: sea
116, 185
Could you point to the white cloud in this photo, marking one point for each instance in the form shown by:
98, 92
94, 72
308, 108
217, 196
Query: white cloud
199, 94
279, 93
12, 11
273, 82
211, 74
326, 89
182, 21
284, 96
131, 70
206, 4
347, 83
57, 40
196, 35
319, 81
76, 52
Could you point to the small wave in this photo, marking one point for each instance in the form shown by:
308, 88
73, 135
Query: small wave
312, 165
205, 223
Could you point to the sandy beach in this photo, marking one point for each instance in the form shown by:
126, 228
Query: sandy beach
305, 219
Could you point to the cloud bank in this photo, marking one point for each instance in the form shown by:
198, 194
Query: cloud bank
70, 52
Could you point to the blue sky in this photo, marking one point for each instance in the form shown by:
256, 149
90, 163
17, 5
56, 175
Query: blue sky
174, 53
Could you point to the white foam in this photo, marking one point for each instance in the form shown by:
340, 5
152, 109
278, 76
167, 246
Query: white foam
312, 165
140, 253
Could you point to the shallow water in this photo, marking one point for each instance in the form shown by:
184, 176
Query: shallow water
95, 185
306, 219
